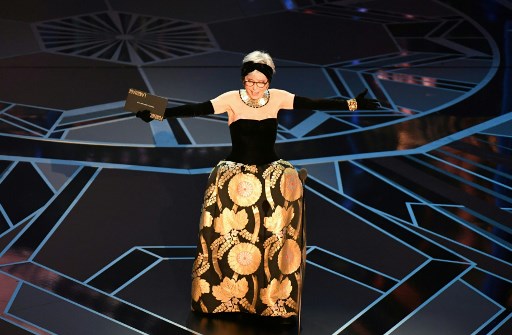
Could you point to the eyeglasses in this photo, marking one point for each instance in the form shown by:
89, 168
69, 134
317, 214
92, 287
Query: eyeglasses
251, 83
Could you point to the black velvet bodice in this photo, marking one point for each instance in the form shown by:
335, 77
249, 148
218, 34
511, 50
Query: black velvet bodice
253, 141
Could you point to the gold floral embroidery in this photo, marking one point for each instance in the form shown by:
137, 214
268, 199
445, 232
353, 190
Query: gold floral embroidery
230, 288
244, 258
291, 187
277, 297
201, 263
272, 245
226, 170
244, 189
279, 309
273, 172
199, 286
210, 195
229, 220
290, 257
276, 291
232, 295
279, 225
258, 241
230, 225
251, 168
280, 218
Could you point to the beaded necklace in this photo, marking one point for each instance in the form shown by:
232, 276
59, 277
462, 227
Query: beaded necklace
254, 103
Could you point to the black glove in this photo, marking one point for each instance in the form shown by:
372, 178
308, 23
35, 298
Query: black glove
335, 103
187, 110
368, 104
190, 110
144, 115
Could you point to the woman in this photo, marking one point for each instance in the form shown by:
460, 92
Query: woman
251, 248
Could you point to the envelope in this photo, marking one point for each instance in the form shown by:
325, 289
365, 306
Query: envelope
139, 100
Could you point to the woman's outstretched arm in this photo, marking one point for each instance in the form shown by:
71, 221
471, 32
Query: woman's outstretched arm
359, 102
187, 110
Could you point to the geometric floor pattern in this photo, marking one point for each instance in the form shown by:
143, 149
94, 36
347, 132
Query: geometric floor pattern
409, 207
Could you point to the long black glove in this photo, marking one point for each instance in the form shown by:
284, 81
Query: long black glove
188, 110
368, 104
335, 103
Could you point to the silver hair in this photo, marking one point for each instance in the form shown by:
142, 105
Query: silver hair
260, 57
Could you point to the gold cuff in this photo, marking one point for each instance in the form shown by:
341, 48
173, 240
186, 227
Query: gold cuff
352, 105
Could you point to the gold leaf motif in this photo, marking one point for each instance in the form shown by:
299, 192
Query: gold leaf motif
291, 186
276, 291
280, 218
290, 257
244, 258
277, 297
199, 286
239, 219
244, 189
229, 220
230, 288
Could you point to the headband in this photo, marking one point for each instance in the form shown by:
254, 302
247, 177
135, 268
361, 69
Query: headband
248, 67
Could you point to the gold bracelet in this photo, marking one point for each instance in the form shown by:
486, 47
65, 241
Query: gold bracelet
352, 105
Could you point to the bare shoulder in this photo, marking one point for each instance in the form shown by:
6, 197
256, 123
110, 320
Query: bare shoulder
279, 92
223, 102
227, 96
285, 98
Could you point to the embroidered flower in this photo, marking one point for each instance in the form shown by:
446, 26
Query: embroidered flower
230, 288
244, 189
280, 218
229, 220
290, 257
199, 286
291, 186
244, 258
276, 291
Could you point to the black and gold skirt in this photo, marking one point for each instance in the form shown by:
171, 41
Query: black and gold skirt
251, 248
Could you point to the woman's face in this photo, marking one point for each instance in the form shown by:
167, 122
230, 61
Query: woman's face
252, 83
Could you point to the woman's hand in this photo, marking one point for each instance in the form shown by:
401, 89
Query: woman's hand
369, 104
145, 115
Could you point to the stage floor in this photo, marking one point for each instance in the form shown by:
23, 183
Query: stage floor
409, 208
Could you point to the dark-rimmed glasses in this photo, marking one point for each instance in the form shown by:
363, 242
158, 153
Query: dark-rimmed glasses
251, 83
